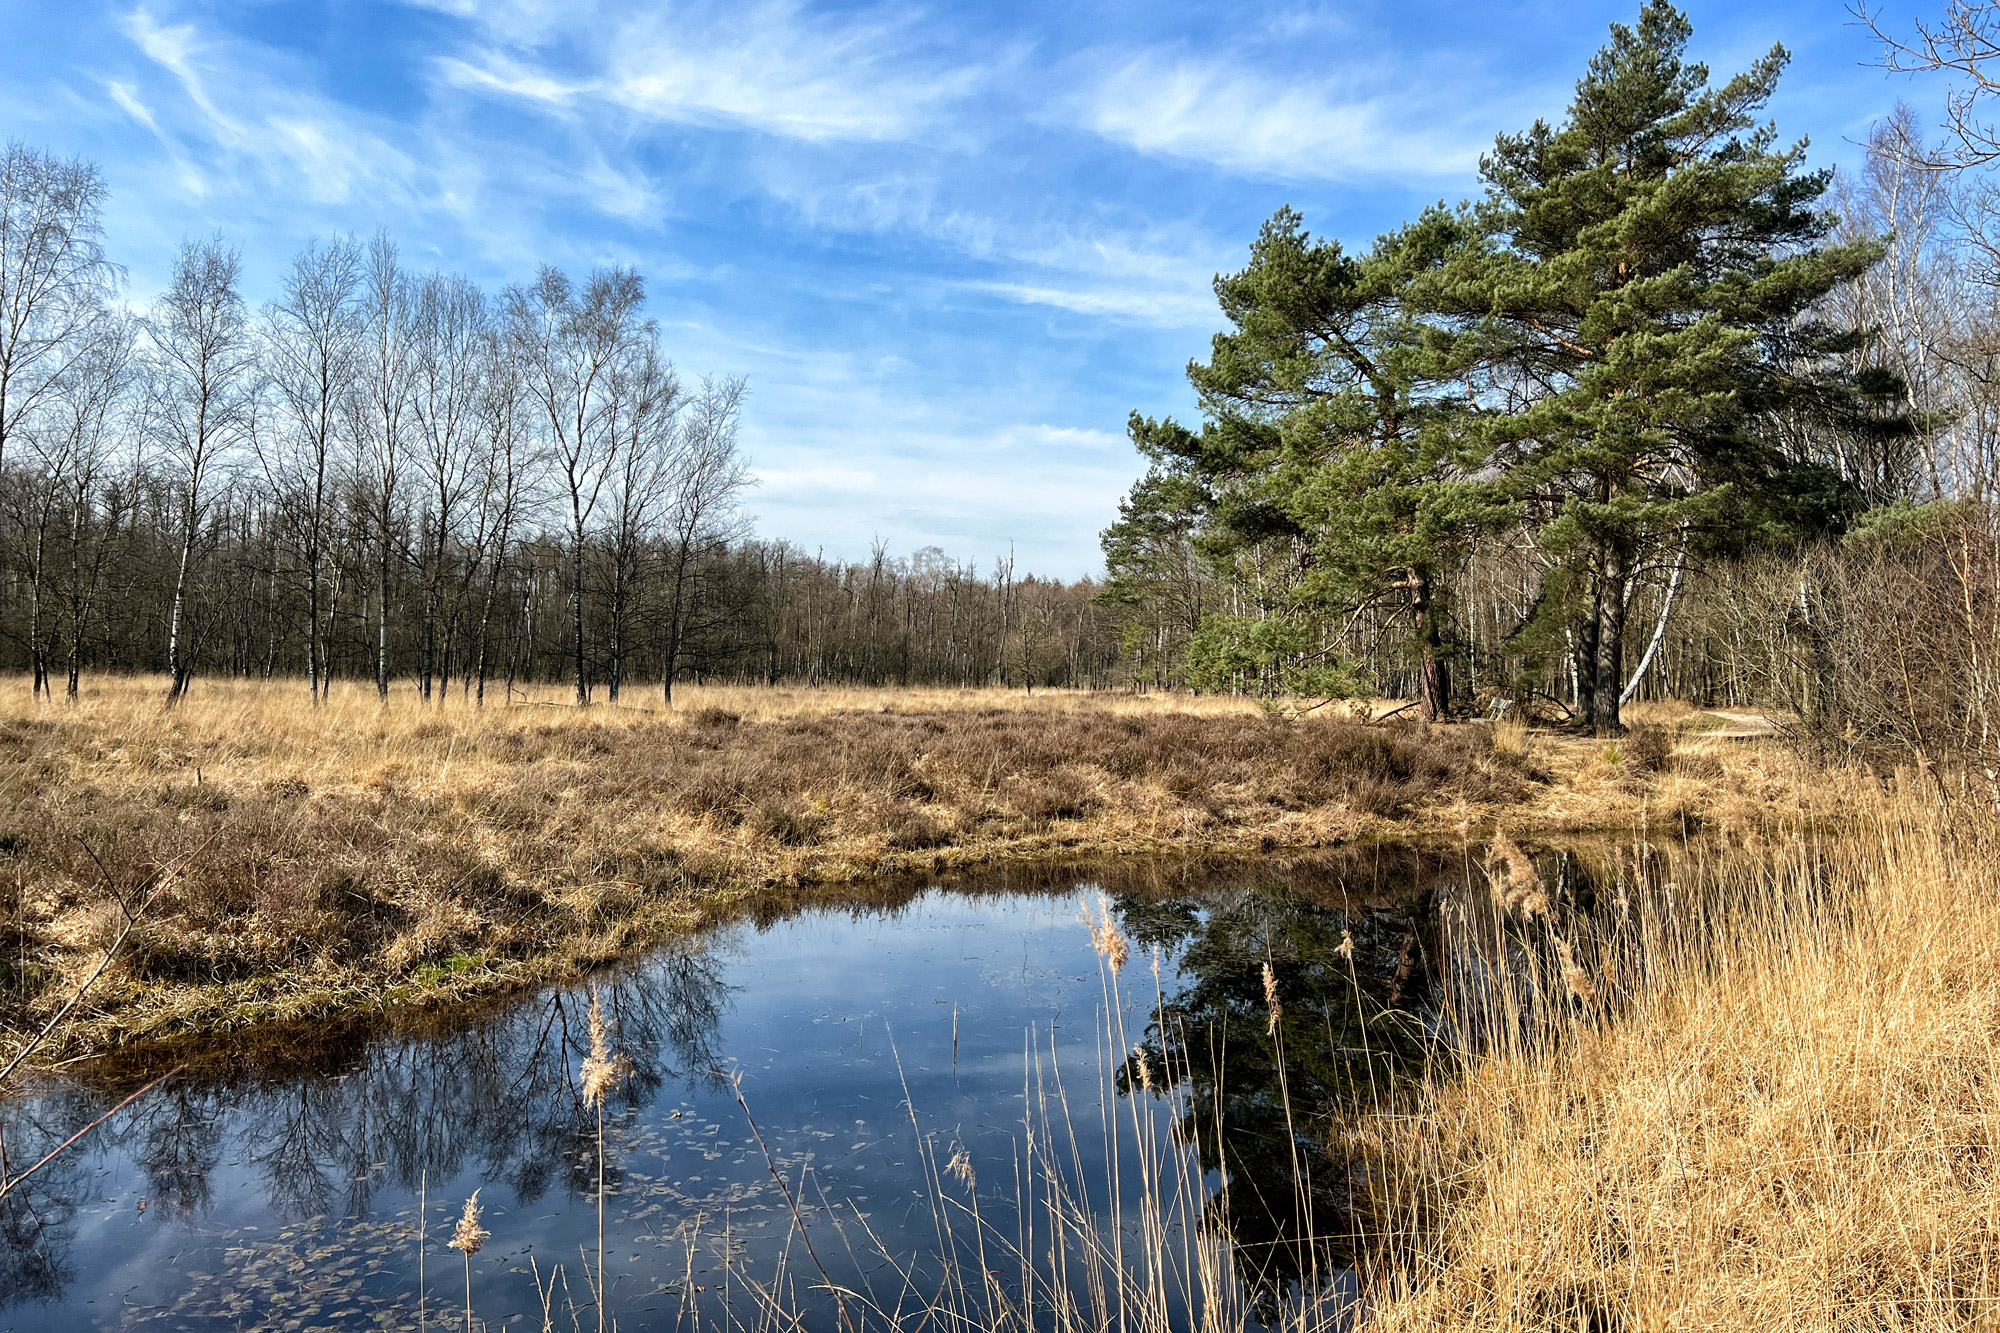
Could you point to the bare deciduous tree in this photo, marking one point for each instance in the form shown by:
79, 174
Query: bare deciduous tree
645, 418
571, 342
198, 407
54, 278
310, 354
69, 447
381, 415
708, 476
450, 353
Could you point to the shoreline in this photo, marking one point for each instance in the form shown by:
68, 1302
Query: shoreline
564, 842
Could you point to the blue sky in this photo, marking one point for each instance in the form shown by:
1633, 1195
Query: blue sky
951, 246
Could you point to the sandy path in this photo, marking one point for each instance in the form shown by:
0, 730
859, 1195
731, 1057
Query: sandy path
1742, 726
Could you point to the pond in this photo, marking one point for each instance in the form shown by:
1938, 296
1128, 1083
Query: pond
934, 1083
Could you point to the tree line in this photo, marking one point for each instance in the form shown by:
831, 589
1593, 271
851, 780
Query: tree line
388, 474
1546, 443
1620, 426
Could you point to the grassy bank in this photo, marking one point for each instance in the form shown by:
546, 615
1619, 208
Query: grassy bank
1776, 1104
355, 856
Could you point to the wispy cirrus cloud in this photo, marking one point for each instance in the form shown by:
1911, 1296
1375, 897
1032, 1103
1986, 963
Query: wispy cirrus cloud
773, 68
253, 131
1230, 112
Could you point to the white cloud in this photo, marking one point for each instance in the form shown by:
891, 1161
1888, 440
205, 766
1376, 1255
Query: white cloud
288, 137
1166, 309
1244, 119
1160, 278
128, 101
516, 20
772, 68
506, 77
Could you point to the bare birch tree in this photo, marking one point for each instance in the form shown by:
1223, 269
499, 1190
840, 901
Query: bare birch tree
506, 496
570, 343
66, 447
310, 353
647, 403
382, 420
198, 408
95, 410
54, 278
708, 478
450, 322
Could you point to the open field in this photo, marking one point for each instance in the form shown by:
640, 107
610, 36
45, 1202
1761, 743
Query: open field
355, 856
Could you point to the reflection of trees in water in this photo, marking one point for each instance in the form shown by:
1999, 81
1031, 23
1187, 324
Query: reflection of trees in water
1437, 969
498, 1099
1259, 1104
176, 1135
35, 1218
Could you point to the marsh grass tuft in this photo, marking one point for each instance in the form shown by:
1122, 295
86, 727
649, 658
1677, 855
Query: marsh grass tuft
1106, 939
1770, 1104
603, 1072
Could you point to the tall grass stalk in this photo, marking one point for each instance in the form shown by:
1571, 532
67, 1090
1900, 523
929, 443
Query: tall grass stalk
1745, 1095
603, 1071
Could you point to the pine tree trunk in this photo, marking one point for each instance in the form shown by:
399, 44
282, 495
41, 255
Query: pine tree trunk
1434, 672
1583, 659
1612, 605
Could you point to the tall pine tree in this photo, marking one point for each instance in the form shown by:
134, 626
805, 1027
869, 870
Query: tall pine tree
1654, 263
1336, 411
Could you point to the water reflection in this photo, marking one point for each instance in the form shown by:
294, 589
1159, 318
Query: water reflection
331, 1123
282, 1160
1353, 976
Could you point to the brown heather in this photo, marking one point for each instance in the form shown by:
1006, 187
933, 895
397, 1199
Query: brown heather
354, 856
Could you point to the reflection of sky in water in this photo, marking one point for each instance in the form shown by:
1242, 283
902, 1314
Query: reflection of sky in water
275, 1201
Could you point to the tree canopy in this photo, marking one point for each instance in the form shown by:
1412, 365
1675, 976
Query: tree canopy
1601, 360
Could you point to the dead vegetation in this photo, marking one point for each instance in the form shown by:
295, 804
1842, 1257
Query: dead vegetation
357, 856
1776, 1111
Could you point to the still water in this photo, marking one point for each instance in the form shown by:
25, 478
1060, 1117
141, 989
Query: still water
894, 1054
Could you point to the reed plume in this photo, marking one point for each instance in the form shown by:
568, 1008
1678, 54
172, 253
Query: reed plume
1105, 936
960, 1166
1143, 1067
1574, 976
468, 1238
1513, 879
604, 1071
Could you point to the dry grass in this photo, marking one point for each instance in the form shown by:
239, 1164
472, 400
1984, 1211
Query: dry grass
1789, 1116
1749, 1093
356, 856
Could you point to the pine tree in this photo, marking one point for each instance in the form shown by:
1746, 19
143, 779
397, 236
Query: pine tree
1654, 263
1336, 411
